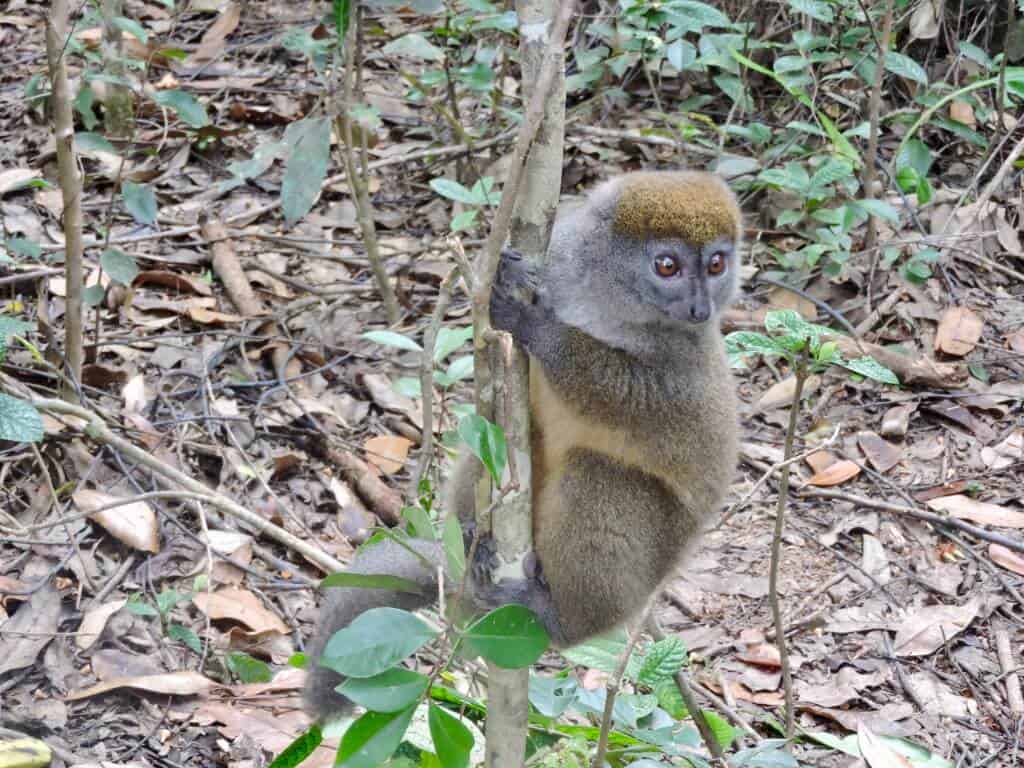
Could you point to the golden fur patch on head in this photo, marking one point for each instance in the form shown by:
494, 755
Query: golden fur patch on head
696, 207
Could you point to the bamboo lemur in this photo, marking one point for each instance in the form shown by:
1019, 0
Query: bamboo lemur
633, 411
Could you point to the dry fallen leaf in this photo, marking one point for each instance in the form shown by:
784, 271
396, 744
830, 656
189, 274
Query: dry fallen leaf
761, 654
186, 683
239, 605
94, 621
212, 42
876, 753
1007, 558
924, 21
966, 508
881, 454
896, 421
133, 524
925, 630
30, 629
780, 394
963, 113
834, 474
959, 331
387, 452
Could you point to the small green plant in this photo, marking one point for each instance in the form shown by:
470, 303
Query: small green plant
20, 421
449, 340
480, 196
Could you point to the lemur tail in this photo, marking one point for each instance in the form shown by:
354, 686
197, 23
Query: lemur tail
343, 604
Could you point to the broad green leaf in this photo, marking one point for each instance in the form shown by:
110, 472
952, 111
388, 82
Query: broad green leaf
816, 9
770, 753
309, 142
22, 246
916, 154
724, 732
408, 386
248, 669
414, 46
450, 339
464, 220
390, 691
487, 442
511, 637
13, 326
453, 191
136, 604
373, 738
603, 653
342, 11
483, 192
372, 581
750, 343
831, 171
872, 369
92, 144
296, 752
83, 104
375, 641
392, 339
701, 13
681, 54
904, 66
185, 635
20, 422
453, 741
880, 209
789, 320
454, 545
551, 696
186, 105
460, 368
976, 54
119, 266
662, 660
419, 523
92, 295
132, 27
670, 699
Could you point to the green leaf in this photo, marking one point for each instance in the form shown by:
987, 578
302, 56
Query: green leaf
186, 105
119, 266
880, 209
296, 752
460, 368
831, 171
248, 669
373, 738
390, 691
342, 10
140, 200
22, 246
185, 635
916, 154
464, 220
132, 27
419, 523
372, 581
603, 653
791, 323
770, 753
551, 696
816, 9
904, 66
681, 54
92, 295
487, 442
137, 605
750, 343
13, 326
662, 661
453, 741
408, 386
414, 46
670, 699
976, 54
511, 637
724, 733
392, 339
454, 545
92, 144
450, 339
453, 191
872, 369
375, 641
20, 422
309, 142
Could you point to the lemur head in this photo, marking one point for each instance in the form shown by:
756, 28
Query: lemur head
657, 253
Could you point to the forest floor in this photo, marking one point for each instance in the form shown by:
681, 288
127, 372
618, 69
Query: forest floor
894, 620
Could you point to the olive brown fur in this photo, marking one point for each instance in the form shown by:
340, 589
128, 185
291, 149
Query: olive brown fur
634, 426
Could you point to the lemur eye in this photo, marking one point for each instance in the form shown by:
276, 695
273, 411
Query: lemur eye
716, 264
666, 266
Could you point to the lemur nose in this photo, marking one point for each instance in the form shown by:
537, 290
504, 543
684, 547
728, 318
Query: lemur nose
699, 313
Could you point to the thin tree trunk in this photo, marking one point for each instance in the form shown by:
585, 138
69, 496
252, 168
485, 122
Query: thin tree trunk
71, 188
